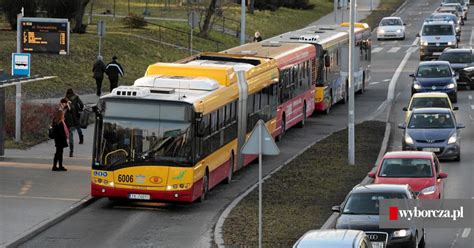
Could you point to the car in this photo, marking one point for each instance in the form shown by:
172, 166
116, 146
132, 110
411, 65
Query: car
428, 100
391, 28
452, 10
447, 17
332, 238
360, 211
433, 130
464, 3
435, 36
458, 7
435, 76
460, 59
421, 170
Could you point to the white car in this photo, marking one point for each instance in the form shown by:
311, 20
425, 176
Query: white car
391, 28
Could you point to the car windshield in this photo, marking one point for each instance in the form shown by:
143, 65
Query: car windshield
391, 22
444, 17
406, 167
456, 57
430, 121
368, 203
454, 1
434, 71
145, 132
441, 29
429, 102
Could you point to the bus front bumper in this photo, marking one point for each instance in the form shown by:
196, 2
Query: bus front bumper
154, 195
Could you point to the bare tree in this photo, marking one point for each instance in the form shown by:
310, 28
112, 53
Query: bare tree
206, 27
78, 15
251, 6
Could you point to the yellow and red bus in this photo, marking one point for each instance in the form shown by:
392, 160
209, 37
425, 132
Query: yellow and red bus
173, 135
296, 87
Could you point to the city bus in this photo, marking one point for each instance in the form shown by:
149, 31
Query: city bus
332, 50
296, 87
174, 134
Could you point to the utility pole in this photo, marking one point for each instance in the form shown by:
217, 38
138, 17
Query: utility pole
351, 138
242, 22
336, 3
18, 86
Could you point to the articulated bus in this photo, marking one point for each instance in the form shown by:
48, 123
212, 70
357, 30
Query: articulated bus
173, 135
332, 44
296, 88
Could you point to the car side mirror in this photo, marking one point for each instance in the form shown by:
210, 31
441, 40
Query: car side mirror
442, 175
459, 126
402, 126
405, 109
336, 209
412, 75
417, 35
455, 108
371, 174
404, 24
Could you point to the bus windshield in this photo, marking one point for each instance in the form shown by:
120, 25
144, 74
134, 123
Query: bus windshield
145, 132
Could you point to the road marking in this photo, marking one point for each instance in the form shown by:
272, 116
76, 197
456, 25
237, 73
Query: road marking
409, 25
374, 83
393, 50
472, 107
377, 49
40, 198
469, 97
466, 232
398, 95
42, 166
472, 36
386, 80
25, 188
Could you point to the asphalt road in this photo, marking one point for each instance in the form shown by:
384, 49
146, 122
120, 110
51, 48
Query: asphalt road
165, 225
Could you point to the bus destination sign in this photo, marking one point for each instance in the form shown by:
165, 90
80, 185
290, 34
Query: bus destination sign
45, 35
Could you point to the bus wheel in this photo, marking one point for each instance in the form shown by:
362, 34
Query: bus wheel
231, 168
303, 121
346, 93
205, 187
328, 109
283, 128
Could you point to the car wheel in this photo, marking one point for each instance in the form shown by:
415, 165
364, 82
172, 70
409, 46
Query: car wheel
422, 243
455, 98
346, 94
458, 158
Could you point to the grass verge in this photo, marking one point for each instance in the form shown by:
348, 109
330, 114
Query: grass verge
385, 8
299, 196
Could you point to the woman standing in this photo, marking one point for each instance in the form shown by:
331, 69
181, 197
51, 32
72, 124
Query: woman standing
61, 133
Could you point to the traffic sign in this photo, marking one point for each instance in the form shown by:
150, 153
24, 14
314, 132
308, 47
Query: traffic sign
268, 145
193, 19
101, 28
21, 64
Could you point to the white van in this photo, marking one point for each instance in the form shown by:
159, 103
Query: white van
435, 36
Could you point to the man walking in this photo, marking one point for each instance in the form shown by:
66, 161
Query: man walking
98, 69
113, 70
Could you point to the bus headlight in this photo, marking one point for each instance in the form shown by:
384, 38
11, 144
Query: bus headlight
453, 139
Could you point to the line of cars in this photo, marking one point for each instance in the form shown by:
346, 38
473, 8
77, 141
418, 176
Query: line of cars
430, 133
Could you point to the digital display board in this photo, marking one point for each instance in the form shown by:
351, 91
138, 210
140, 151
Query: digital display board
44, 35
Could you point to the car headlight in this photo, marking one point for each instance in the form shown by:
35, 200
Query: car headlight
423, 43
428, 190
453, 139
399, 30
451, 86
451, 43
416, 86
381, 31
401, 233
408, 139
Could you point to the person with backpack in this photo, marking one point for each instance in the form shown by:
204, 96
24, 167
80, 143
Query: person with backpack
60, 134
73, 106
113, 71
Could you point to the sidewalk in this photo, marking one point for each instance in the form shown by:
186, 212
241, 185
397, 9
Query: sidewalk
31, 195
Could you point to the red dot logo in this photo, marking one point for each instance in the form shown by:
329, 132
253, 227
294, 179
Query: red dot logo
156, 180
393, 213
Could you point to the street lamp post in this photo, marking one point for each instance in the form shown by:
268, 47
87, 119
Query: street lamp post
351, 139
242, 22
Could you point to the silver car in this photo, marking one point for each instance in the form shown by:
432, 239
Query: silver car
333, 239
435, 36
391, 28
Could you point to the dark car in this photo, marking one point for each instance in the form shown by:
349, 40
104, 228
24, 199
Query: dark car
360, 211
435, 76
433, 130
460, 60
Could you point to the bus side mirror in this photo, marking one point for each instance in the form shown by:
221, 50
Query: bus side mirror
327, 61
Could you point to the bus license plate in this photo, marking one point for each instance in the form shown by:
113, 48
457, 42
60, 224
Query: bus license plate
139, 196
378, 245
431, 149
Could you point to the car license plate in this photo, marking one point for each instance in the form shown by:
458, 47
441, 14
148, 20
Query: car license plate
378, 245
431, 149
436, 53
139, 196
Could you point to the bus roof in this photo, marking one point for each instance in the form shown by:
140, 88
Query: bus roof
285, 54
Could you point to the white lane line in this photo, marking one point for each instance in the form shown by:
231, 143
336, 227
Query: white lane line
469, 97
386, 80
40, 198
472, 36
398, 95
374, 83
466, 232
393, 50
377, 49
472, 107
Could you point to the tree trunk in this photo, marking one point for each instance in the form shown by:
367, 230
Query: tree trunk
207, 19
251, 6
78, 27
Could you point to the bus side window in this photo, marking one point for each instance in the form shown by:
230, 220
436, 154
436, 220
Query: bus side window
204, 126
256, 107
221, 118
213, 121
228, 118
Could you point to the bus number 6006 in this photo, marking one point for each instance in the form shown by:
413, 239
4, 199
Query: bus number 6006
125, 178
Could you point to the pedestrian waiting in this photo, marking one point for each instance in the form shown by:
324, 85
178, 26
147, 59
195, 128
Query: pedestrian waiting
98, 69
72, 107
257, 37
113, 71
60, 135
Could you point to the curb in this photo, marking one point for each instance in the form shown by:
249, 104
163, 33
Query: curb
49, 222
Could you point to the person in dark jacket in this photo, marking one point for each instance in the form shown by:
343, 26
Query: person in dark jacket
113, 71
60, 133
77, 108
98, 69
70, 120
